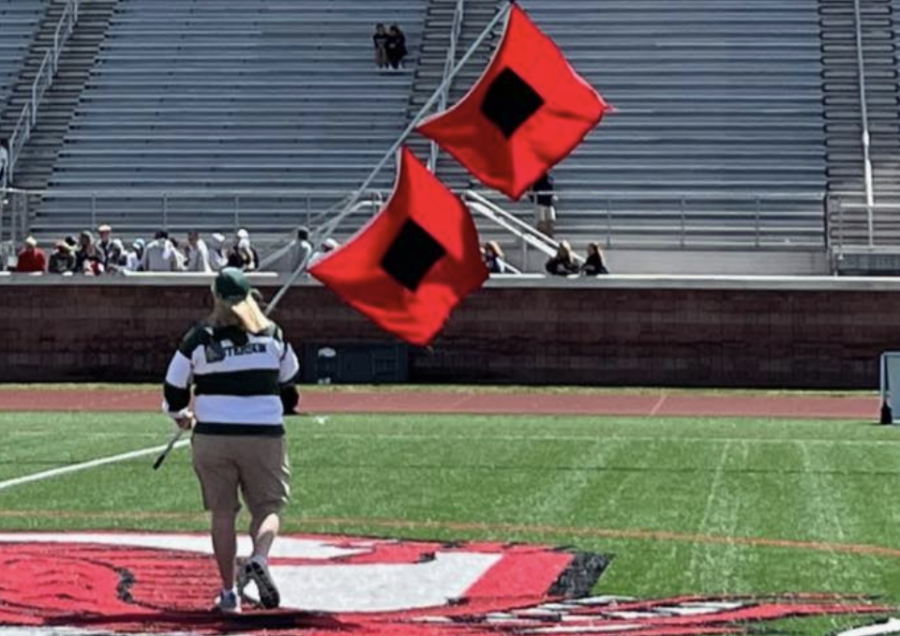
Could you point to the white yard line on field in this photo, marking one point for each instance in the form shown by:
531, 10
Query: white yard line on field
74, 468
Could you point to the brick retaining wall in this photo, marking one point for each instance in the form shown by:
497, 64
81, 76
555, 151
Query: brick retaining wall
613, 333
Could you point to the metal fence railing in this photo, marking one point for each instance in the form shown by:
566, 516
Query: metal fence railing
855, 223
43, 80
681, 220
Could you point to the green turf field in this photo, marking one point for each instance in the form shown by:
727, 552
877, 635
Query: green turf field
686, 506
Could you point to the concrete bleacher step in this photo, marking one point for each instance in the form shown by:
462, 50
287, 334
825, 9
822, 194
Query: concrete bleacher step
214, 95
843, 113
37, 159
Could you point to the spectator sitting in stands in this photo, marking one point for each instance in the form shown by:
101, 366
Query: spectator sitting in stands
179, 256
328, 245
197, 253
396, 47
88, 259
62, 261
542, 196
494, 258
116, 260
217, 258
594, 265
241, 256
299, 250
105, 243
563, 264
32, 259
243, 235
380, 39
133, 258
159, 255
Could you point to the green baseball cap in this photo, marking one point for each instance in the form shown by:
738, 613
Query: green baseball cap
231, 285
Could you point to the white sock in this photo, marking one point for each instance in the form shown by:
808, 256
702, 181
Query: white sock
225, 592
258, 558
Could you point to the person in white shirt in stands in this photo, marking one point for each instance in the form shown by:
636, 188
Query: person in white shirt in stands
243, 372
300, 249
159, 255
180, 259
198, 254
328, 245
134, 257
218, 260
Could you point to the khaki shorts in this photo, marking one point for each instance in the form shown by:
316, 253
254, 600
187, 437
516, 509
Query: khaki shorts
258, 466
544, 213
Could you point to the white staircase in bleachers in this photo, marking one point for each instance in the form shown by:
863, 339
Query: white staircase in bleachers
19, 20
230, 96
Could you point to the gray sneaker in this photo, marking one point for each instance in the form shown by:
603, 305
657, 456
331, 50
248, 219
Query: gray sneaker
269, 597
228, 603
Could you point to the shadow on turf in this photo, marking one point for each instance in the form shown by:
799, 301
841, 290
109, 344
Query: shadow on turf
224, 623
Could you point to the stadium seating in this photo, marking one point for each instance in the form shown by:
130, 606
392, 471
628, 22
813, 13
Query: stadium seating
19, 19
720, 115
231, 95
849, 223
720, 138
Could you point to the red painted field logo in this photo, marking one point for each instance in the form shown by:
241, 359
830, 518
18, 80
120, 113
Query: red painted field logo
129, 583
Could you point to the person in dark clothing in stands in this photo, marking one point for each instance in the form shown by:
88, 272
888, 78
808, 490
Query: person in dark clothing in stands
396, 47
563, 264
594, 265
62, 261
543, 198
380, 40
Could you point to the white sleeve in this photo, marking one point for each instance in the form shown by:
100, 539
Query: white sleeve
177, 388
204, 258
290, 366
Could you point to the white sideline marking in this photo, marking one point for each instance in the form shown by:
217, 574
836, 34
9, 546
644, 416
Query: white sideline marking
74, 468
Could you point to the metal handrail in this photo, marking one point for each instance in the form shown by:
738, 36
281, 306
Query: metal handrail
42, 82
684, 218
864, 116
527, 234
449, 63
282, 250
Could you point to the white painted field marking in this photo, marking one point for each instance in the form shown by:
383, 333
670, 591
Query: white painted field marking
74, 468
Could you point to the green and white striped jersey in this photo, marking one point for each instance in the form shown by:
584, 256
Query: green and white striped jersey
243, 383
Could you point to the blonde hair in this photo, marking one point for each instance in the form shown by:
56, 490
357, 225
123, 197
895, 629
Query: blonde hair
245, 314
495, 247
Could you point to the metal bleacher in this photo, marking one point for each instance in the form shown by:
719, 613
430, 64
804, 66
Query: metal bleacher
19, 20
253, 100
718, 140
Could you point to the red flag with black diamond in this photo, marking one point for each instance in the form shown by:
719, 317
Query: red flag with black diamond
411, 265
528, 112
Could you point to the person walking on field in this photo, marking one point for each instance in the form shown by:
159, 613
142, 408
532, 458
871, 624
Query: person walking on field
243, 373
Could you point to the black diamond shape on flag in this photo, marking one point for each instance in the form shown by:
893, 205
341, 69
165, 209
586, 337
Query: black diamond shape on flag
412, 255
510, 102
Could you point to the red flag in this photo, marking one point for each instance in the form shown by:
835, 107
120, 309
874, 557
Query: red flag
529, 110
413, 263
